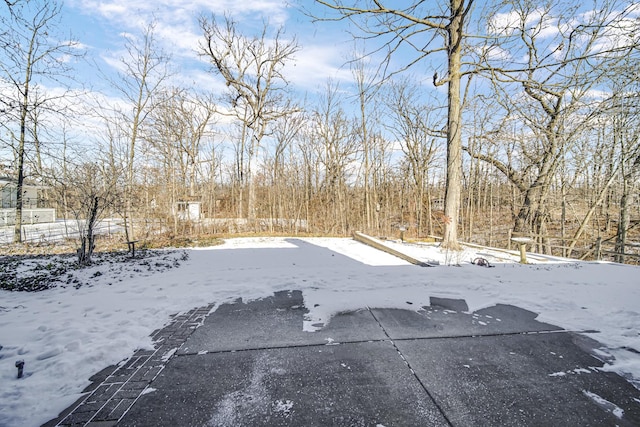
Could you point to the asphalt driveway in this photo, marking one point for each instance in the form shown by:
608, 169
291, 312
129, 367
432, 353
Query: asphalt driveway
251, 364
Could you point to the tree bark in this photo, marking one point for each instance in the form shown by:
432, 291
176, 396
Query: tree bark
88, 240
454, 140
24, 109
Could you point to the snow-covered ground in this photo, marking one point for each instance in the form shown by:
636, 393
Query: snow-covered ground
66, 334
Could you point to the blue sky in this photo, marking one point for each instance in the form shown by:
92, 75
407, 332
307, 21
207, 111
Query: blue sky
100, 27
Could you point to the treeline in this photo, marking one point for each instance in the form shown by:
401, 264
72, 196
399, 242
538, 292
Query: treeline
549, 149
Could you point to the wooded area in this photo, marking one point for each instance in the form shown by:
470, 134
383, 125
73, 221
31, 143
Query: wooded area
547, 125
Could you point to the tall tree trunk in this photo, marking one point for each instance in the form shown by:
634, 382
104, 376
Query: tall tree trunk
24, 109
251, 190
367, 161
454, 140
88, 240
130, 167
623, 223
17, 236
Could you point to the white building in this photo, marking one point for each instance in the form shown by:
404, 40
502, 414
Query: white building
188, 211
34, 202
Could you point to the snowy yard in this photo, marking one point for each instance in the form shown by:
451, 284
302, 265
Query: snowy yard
68, 333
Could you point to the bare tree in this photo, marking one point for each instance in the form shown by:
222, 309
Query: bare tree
146, 68
367, 89
626, 134
176, 139
547, 97
31, 55
282, 197
90, 192
430, 28
11, 6
332, 135
252, 69
413, 124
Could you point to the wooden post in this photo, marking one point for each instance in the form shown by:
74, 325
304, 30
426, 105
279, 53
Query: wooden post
598, 248
522, 245
523, 253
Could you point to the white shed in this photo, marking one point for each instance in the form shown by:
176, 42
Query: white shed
188, 211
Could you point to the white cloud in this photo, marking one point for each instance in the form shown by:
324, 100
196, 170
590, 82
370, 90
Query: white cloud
315, 64
621, 33
503, 23
538, 20
496, 53
203, 80
182, 41
112, 59
176, 31
597, 95
130, 12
